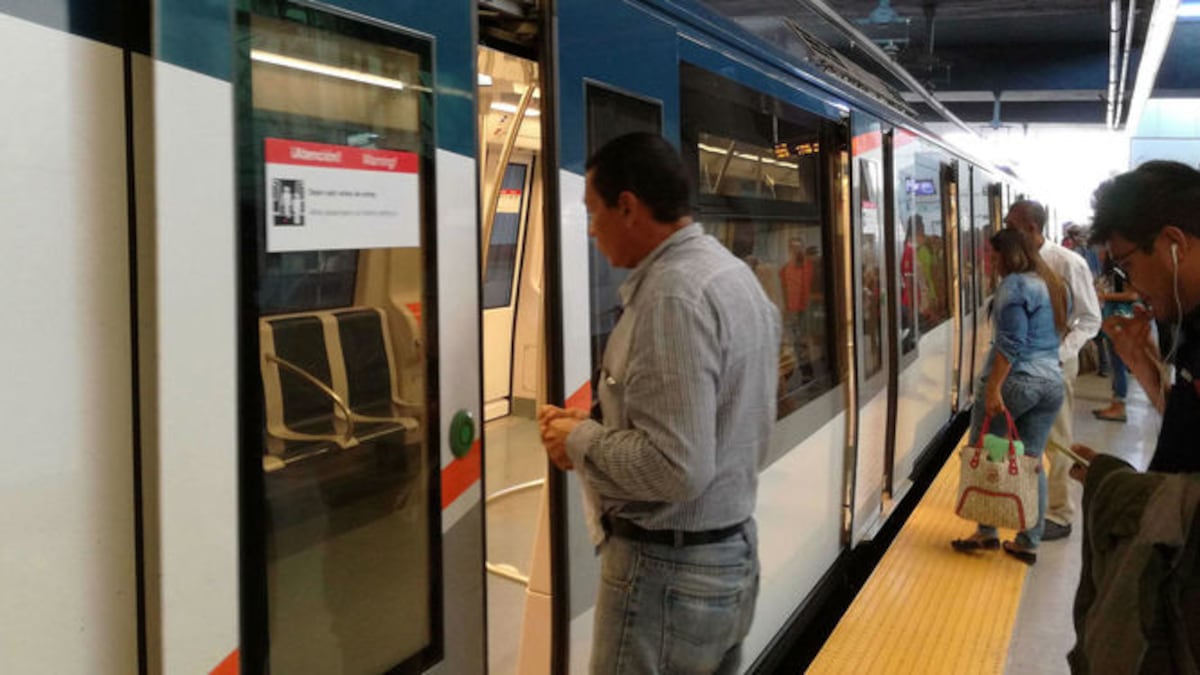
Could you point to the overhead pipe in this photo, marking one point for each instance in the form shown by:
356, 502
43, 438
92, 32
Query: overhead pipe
881, 57
1125, 63
1114, 50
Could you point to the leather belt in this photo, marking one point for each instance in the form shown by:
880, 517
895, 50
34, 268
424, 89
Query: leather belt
619, 527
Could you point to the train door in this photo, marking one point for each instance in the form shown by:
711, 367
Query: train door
509, 107
902, 329
950, 222
967, 281
872, 330
362, 530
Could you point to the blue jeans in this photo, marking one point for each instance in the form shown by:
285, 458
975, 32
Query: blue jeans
674, 610
1033, 403
1120, 378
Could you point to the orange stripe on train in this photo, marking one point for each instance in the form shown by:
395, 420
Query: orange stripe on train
227, 667
461, 474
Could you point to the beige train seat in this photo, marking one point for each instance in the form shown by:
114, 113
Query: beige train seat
330, 384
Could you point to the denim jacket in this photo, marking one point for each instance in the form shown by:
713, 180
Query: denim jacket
1024, 330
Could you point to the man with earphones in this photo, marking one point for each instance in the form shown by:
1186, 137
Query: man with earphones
1137, 607
1149, 219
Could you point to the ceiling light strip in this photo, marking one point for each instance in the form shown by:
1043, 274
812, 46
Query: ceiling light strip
1158, 36
332, 71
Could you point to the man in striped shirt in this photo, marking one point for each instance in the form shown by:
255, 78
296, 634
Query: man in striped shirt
688, 393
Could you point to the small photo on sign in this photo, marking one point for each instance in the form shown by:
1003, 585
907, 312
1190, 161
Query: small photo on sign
288, 201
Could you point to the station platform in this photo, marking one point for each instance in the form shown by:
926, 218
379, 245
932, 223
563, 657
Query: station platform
928, 609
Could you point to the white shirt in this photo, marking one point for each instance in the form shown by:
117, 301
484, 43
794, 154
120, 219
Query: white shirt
1083, 323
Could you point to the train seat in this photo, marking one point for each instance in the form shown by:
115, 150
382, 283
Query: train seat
330, 384
302, 409
371, 390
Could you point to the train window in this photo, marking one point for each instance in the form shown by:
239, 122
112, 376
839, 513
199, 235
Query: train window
870, 258
505, 240
611, 114
757, 163
984, 228
923, 255
966, 241
334, 163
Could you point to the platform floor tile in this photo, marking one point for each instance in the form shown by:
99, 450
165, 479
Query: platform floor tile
926, 608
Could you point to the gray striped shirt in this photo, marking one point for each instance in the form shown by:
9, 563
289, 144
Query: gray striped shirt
688, 390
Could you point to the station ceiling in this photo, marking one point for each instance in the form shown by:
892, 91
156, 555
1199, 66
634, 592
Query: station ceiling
988, 61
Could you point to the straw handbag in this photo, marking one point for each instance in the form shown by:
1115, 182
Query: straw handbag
1002, 493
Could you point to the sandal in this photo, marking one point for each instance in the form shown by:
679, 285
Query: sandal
1025, 555
1113, 413
975, 543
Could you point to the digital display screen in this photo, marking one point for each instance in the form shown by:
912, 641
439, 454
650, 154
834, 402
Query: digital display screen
920, 186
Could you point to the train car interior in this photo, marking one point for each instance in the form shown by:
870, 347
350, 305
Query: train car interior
514, 353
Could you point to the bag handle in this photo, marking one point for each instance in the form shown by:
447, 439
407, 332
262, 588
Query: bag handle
1013, 437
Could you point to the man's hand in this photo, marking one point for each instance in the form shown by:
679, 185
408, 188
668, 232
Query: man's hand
1079, 471
555, 425
1131, 336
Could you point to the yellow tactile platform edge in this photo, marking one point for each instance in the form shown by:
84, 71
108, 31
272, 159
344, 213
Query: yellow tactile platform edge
926, 608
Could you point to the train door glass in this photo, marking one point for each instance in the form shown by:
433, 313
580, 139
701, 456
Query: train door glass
335, 162
513, 359
968, 281
906, 222
870, 263
611, 114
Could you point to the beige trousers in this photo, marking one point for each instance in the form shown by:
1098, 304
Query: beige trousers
1060, 508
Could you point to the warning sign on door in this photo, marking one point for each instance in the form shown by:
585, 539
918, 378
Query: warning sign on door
322, 197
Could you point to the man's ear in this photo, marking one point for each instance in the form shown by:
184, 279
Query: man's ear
1179, 238
628, 203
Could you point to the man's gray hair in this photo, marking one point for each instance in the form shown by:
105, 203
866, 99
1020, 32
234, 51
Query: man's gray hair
1034, 211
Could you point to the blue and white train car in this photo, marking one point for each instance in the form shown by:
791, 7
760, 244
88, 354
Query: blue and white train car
288, 280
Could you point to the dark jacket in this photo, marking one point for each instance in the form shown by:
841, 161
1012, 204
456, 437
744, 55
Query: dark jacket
1137, 609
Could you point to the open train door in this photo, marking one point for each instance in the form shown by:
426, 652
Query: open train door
361, 527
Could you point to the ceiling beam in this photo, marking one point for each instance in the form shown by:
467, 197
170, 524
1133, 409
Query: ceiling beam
1015, 96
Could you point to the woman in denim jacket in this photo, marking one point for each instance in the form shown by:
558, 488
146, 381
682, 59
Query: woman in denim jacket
1022, 374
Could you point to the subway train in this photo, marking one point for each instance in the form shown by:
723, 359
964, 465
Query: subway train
287, 281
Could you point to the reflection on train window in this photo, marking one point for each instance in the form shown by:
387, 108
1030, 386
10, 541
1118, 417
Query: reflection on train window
923, 258
307, 280
871, 302
756, 162
788, 260
505, 240
966, 242
611, 114
339, 110
737, 169
985, 283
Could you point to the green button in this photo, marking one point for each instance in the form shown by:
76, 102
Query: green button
462, 433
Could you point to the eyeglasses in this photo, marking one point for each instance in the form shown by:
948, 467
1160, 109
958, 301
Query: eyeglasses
1120, 263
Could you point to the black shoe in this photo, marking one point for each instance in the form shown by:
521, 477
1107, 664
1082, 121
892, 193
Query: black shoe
1025, 555
1054, 531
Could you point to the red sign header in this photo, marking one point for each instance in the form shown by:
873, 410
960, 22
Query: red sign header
284, 151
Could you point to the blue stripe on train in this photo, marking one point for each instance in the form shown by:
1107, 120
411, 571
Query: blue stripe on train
198, 35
